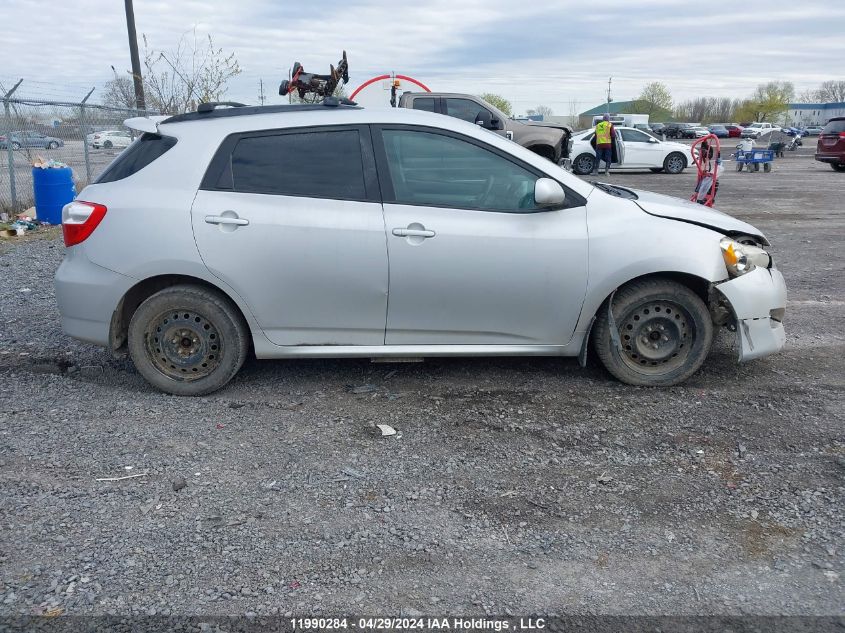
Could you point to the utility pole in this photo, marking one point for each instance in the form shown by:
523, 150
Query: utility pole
609, 99
261, 97
133, 53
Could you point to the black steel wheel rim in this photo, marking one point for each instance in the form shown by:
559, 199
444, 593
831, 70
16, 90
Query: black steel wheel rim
183, 345
656, 336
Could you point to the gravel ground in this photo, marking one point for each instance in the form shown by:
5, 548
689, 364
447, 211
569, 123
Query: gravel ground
512, 485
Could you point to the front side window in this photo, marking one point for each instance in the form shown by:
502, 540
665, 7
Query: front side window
433, 169
324, 164
464, 109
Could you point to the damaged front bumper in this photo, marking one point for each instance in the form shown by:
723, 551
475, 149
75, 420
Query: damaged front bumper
758, 301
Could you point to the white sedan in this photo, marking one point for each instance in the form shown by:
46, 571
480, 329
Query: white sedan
111, 138
639, 150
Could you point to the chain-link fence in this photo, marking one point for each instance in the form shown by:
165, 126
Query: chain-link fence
83, 135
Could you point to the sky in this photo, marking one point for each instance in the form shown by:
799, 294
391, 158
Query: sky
559, 54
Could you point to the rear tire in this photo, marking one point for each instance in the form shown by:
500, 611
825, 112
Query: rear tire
675, 163
188, 340
108, 144
16, 146
838, 167
584, 164
52, 145
665, 333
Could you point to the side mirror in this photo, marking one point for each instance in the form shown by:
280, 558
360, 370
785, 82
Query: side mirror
495, 124
484, 119
653, 140
548, 193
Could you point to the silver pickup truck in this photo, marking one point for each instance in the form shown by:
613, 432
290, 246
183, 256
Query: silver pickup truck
545, 139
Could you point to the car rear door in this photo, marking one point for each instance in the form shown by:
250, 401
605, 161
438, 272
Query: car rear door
472, 260
292, 220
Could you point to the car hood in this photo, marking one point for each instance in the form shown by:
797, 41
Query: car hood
556, 126
685, 211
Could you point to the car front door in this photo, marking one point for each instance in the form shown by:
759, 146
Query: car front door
473, 261
641, 149
292, 221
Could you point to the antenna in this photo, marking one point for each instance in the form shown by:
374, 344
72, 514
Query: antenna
261, 97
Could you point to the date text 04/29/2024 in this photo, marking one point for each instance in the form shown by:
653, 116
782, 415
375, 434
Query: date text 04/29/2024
419, 623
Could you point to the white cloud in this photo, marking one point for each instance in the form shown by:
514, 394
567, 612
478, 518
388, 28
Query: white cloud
550, 52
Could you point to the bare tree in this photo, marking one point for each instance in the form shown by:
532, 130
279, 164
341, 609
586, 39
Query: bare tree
194, 72
119, 92
831, 91
544, 111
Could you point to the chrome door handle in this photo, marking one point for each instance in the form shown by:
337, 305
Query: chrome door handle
413, 233
222, 219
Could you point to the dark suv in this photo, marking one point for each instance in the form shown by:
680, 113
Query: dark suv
831, 145
676, 130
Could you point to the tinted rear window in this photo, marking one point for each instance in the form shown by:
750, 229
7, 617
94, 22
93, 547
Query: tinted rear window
138, 155
313, 164
834, 127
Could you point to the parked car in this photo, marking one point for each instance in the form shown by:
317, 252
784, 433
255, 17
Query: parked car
491, 249
696, 131
111, 138
675, 130
830, 147
812, 130
658, 128
547, 139
758, 129
719, 130
734, 131
639, 151
31, 139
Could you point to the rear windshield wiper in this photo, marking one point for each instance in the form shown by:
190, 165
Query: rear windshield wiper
613, 190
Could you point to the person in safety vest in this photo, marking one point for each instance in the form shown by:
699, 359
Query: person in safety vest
604, 143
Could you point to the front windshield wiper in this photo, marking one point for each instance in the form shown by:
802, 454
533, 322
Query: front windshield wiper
619, 192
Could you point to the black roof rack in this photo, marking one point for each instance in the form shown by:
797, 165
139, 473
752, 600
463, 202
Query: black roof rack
213, 109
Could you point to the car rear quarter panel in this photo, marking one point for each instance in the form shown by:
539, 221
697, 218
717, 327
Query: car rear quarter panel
147, 229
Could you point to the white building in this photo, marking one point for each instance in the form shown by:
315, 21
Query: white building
804, 114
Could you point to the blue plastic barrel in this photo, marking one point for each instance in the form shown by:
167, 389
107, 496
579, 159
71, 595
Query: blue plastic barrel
53, 189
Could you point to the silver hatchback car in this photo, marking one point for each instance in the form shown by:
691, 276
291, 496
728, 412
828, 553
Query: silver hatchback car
330, 231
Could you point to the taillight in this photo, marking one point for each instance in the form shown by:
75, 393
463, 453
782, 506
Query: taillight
79, 219
842, 135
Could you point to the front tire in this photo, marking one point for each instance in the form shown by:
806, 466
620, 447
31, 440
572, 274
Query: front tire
584, 164
52, 145
188, 340
838, 167
108, 144
675, 163
664, 329
16, 146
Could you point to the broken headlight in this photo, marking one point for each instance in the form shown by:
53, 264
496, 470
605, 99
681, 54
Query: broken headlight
743, 258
